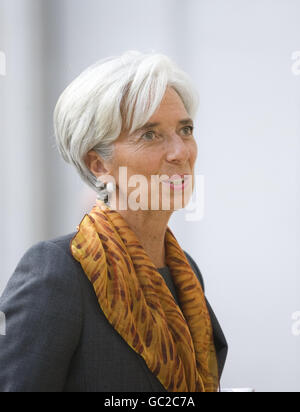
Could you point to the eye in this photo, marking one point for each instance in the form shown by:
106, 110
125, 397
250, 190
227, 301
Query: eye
188, 130
149, 136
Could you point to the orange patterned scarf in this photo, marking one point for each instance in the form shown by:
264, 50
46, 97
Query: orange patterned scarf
176, 343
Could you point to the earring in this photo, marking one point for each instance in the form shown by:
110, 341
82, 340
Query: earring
104, 190
110, 187
99, 184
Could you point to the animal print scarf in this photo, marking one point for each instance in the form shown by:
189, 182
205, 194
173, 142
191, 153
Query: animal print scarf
176, 342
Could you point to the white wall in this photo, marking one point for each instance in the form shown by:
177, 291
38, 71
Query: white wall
249, 133
22, 175
239, 54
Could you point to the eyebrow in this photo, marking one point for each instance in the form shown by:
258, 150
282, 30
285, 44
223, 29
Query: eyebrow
149, 124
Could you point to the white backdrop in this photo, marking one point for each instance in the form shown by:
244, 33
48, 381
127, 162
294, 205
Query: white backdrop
239, 54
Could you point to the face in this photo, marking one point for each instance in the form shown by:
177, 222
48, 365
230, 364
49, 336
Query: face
165, 148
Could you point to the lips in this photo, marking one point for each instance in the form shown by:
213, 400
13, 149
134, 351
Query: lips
177, 179
178, 182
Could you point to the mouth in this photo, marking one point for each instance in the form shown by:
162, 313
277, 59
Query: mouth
178, 182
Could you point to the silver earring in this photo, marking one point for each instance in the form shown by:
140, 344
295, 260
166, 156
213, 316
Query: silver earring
110, 187
104, 190
99, 184
102, 194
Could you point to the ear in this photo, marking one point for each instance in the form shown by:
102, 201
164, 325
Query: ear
95, 163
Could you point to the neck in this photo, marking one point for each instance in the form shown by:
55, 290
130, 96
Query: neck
150, 228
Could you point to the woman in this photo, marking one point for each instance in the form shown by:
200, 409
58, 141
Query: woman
117, 305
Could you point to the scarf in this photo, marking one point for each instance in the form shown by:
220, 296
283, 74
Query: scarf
175, 342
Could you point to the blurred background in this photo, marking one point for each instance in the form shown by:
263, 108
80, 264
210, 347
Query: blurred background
242, 56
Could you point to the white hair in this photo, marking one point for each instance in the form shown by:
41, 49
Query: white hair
117, 93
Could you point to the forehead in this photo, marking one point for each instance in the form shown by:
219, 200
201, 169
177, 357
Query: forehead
171, 109
170, 102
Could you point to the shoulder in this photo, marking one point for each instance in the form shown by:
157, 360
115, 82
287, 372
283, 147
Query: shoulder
47, 268
196, 269
62, 243
44, 314
52, 252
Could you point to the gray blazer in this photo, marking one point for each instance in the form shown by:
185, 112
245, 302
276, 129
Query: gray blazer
58, 339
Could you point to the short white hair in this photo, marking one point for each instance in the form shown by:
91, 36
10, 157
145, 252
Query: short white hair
117, 93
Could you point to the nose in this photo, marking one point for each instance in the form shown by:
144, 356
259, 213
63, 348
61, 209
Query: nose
177, 150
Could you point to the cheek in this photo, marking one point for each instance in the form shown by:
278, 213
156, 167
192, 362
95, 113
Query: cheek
193, 152
138, 162
145, 162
